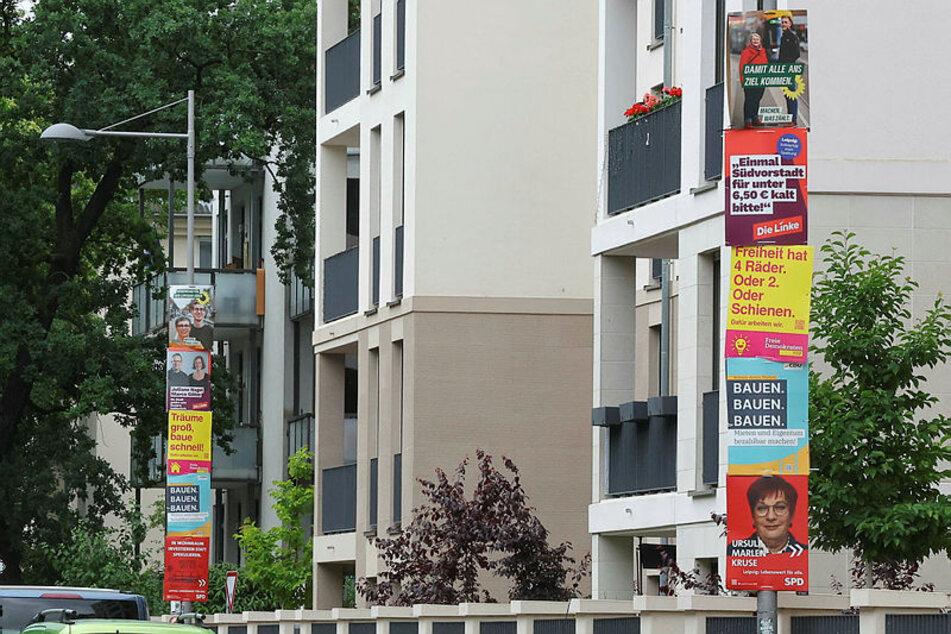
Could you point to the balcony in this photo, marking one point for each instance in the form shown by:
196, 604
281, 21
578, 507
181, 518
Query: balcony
300, 298
342, 72
374, 489
398, 263
241, 467
397, 488
300, 432
235, 296
710, 443
642, 448
644, 159
713, 133
339, 499
341, 283
400, 35
377, 49
375, 299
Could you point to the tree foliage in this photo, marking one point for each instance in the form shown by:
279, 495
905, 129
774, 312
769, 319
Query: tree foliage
451, 541
279, 560
880, 453
74, 243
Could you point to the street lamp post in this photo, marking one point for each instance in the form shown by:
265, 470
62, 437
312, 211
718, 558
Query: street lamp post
69, 132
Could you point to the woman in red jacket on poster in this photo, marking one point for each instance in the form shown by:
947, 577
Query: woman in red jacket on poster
754, 53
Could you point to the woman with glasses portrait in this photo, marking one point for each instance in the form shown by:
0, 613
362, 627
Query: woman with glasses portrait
772, 502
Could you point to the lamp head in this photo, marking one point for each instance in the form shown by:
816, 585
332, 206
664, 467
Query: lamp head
64, 132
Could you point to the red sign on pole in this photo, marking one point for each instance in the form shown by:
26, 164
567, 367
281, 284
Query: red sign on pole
231, 587
186, 568
767, 532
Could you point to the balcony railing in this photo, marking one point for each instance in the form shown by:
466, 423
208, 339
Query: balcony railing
235, 293
400, 34
300, 298
342, 72
397, 487
375, 299
711, 437
341, 282
398, 263
377, 48
339, 492
374, 489
642, 449
713, 133
300, 432
644, 159
241, 467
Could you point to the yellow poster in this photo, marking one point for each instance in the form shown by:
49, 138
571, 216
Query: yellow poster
189, 441
768, 311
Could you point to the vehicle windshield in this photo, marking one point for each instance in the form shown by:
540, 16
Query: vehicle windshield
17, 612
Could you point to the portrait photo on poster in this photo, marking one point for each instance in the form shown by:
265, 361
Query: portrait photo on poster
768, 69
191, 317
188, 380
767, 532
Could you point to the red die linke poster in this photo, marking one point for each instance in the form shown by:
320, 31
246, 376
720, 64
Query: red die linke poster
767, 532
765, 186
186, 568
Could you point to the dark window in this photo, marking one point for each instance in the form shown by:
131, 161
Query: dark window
353, 212
659, 19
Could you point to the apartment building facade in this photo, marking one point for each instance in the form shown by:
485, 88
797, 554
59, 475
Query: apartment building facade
453, 308
659, 433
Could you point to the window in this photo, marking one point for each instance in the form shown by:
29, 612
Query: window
659, 19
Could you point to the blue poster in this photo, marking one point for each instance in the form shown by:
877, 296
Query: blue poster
767, 404
188, 504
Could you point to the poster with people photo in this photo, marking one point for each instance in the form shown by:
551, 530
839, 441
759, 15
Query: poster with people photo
188, 380
767, 532
191, 317
768, 69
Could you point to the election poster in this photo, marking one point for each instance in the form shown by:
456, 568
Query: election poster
767, 532
765, 187
186, 568
767, 405
189, 442
768, 310
768, 69
188, 505
188, 380
191, 317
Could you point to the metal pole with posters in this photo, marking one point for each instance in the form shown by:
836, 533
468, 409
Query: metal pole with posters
767, 325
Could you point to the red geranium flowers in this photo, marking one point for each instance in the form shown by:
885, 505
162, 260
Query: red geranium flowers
651, 102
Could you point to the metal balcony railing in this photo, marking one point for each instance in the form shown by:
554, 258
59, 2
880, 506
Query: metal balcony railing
642, 450
374, 489
341, 283
235, 295
300, 297
300, 433
398, 263
713, 133
339, 494
644, 159
377, 49
400, 34
342, 72
242, 466
397, 488
711, 437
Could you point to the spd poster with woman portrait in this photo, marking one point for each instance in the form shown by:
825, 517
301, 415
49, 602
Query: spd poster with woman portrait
767, 532
768, 69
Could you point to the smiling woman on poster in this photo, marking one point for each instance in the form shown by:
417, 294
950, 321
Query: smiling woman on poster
754, 53
772, 501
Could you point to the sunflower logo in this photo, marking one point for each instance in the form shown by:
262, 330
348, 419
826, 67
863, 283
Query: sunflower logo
796, 92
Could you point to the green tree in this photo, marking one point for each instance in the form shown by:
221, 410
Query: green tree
107, 558
74, 244
879, 452
280, 559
